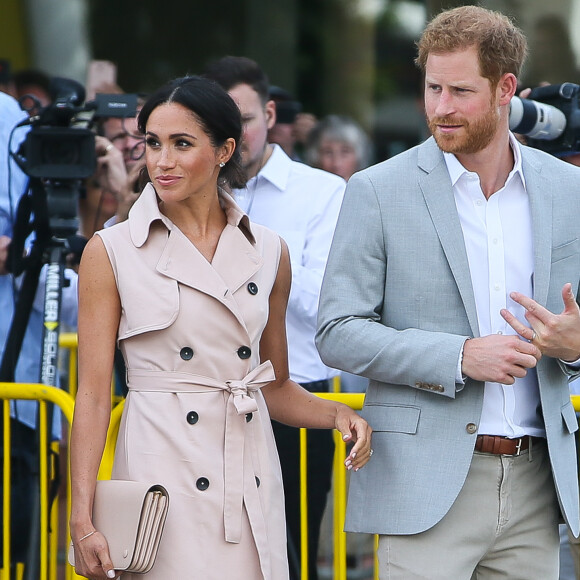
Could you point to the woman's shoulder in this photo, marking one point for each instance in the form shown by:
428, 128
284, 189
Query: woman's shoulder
265, 237
115, 234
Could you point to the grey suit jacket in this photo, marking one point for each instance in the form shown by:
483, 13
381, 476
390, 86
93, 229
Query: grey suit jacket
396, 306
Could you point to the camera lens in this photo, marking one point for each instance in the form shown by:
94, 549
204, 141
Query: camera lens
536, 120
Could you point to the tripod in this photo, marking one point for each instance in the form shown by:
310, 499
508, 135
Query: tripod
48, 210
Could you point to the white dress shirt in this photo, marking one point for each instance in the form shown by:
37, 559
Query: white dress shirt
499, 243
301, 204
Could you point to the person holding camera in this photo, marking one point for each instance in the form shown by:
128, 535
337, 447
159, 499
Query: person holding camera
457, 300
114, 188
24, 447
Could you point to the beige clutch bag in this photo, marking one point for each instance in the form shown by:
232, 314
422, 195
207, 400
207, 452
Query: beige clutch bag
131, 516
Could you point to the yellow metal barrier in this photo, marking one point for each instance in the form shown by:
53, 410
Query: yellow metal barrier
48, 535
49, 539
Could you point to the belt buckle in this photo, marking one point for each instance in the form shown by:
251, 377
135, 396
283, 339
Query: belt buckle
518, 447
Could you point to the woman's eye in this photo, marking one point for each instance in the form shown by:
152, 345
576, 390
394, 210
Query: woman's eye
151, 142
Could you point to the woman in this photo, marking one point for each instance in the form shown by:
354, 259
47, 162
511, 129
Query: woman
339, 145
196, 297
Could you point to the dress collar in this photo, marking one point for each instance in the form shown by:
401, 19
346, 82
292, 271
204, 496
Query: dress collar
145, 211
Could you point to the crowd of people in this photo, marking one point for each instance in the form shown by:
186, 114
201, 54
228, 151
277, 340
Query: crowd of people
242, 254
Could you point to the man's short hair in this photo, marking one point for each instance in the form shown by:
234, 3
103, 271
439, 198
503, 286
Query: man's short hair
500, 44
231, 71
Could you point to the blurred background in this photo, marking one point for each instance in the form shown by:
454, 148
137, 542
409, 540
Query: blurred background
346, 57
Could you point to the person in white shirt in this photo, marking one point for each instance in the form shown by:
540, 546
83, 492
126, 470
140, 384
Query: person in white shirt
451, 285
301, 204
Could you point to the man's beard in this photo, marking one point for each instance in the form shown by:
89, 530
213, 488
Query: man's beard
475, 135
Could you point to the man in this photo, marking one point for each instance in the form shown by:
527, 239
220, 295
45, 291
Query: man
282, 132
24, 452
302, 205
428, 293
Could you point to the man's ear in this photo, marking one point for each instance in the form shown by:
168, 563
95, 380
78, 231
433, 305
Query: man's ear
270, 111
506, 88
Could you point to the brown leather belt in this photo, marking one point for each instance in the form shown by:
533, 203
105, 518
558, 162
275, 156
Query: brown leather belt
502, 445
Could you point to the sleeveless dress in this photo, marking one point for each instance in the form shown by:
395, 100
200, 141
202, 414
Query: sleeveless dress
195, 419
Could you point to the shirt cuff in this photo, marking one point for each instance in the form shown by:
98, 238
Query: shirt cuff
459, 376
574, 364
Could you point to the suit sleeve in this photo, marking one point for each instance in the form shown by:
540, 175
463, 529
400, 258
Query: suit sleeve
353, 322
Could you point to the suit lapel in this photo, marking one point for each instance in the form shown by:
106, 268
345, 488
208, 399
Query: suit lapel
539, 190
438, 194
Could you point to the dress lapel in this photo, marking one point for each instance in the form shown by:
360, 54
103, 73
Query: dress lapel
235, 261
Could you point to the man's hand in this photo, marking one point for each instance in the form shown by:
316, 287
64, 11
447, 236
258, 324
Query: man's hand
4, 243
129, 195
498, 359
556, 335
111, 171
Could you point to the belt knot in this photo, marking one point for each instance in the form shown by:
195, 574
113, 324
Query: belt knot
253, 381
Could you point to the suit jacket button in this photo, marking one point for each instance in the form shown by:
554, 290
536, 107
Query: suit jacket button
471, 428
253, 288
202, 483
244, 352
192, 417
186, 353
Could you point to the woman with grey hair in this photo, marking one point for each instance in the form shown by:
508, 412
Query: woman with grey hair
338, 144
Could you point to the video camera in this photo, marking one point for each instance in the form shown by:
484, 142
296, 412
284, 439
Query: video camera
60, 144
549, 118
59, 152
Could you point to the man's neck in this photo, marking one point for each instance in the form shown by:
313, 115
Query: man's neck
255, 168
493, 165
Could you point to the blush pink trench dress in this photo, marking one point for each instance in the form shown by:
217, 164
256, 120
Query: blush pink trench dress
195, 419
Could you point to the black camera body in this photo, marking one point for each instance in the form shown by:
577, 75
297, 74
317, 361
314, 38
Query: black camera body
59, 152
61, 145
550, 118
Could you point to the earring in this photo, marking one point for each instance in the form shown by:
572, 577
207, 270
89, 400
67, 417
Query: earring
222, 164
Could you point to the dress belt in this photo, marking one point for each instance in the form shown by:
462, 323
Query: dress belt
241, 401
503, 445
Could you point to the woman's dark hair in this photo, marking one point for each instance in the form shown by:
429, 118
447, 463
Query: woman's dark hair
217, 113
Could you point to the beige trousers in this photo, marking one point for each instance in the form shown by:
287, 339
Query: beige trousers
575, 550
503, 524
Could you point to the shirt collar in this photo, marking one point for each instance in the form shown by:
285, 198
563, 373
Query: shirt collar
145, 211
277, 168
456, 170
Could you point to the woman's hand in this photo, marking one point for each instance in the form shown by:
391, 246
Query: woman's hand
354, 428
92, 557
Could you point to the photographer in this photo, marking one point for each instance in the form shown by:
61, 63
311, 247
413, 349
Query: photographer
113, 189
13, 185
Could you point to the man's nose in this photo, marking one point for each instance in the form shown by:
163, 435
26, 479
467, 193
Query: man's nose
445, 104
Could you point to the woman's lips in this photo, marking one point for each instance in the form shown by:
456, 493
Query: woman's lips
167, 180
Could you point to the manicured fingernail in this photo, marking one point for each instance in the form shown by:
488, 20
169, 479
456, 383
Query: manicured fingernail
347, 462
353, 455
349, 467
345, 437
111, 574
357, 468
